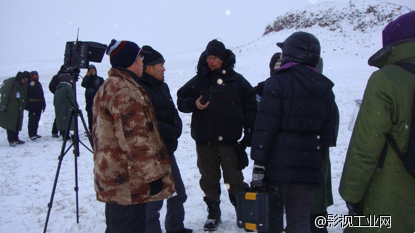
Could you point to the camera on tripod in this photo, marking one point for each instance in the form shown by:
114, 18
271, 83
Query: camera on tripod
78, 54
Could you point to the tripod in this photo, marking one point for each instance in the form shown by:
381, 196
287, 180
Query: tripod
74, 113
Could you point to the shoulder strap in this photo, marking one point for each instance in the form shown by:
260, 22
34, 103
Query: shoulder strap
411, 68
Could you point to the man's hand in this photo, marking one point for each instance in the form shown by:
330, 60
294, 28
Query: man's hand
156, 186
3, 108
199, 105
87, 73
258, 176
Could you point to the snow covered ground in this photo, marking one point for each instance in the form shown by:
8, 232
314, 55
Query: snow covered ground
27, 172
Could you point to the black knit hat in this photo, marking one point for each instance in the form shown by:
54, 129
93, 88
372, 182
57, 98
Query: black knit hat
153, 58
216, 48
26, 74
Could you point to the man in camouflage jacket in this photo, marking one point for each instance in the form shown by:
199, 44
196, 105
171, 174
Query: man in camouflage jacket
132, 165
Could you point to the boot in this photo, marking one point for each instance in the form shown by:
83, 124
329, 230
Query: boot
214, 213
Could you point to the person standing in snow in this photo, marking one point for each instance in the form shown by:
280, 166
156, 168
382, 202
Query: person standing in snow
13, 102
91, 82
170, 128
35, 104
293, 129
54, 82
386, 109
222, 103
63, 101
131, 161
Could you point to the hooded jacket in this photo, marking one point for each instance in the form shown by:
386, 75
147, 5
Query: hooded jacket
91, 84
232, 104
168, 119
54, 82
386, 108
295, 120
129, 152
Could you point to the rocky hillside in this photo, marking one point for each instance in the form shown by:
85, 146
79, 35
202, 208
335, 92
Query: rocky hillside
363, 16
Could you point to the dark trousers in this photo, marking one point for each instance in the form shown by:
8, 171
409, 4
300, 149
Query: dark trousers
12, 136
297, 201
88, 109
125, 218
313, 227
54, 128
210, 159
34, 117
175, 210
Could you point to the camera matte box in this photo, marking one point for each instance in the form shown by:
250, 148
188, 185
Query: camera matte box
262, 212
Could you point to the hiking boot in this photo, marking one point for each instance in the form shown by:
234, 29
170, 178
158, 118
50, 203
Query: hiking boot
55, 135
20, 141
184, 230
13, 144
214, 213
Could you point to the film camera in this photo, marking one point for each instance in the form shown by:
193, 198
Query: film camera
78, 54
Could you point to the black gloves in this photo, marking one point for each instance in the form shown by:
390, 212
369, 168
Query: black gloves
156, 186
258, 177
353, 208
242, 156
3, 108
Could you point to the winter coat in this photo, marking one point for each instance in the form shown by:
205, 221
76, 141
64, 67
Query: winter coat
54, 82
63, 102
232, 104
12, 119
386, 108
91, 84
35, 97
168, 119
129, 152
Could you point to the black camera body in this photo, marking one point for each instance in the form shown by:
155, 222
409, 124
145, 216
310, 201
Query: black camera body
78, 54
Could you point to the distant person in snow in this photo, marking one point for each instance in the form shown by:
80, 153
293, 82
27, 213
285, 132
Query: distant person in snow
132, 164
170, 128
54, 82
222, 103
13, 102
91, 82
386, 109
64, 101
293, 128
35, 104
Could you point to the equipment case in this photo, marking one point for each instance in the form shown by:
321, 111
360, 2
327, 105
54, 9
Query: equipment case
262, 212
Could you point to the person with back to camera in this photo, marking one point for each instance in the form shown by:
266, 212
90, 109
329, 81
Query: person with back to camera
222, 103
63, 100
13, 102
386, 111
91, 82
35, 105
293, 128
170, 127
54, 82
131, 161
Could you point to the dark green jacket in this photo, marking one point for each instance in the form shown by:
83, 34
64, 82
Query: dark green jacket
386, 108
12, 119
63, 101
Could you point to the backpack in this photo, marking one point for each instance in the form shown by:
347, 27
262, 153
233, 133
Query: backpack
407, 158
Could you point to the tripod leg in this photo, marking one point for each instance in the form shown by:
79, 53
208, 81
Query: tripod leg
60, 158
86, 129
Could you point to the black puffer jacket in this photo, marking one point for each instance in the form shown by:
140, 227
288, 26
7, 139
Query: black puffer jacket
295, 120
92, 83
35, 97
232, 105
168, 119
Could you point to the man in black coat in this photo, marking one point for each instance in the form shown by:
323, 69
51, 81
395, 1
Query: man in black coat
92, 82
35, 104
222, 103
54, 82
170, 128
294, 125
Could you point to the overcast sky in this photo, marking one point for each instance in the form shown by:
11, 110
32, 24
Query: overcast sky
38, 30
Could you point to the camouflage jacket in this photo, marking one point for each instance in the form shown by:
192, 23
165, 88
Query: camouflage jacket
129, 152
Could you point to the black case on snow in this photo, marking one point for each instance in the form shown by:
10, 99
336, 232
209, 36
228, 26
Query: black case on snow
262, 212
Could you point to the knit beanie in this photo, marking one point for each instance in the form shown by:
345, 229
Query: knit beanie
400, 29
216, 48
153, 58
26, 74
122, 53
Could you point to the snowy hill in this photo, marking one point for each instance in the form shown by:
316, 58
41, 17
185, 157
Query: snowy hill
28, 171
